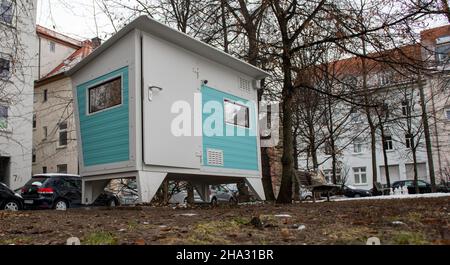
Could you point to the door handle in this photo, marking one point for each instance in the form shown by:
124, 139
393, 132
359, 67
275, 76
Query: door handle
150, 91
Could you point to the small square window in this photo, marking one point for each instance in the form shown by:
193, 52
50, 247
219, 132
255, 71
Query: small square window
6, 11
62, 168
409, 141
388, 144
33, 156
360, 176
406, 108
62, 134
5, 68
34, 121
52, 46
106, 95
357, 147
44, 170
447, 114
45, 131
45, 95
237, 114
3, 117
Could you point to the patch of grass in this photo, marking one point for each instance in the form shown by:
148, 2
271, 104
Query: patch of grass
409, 238
132, 225
215, 232
349, 235
16, 241
100, 238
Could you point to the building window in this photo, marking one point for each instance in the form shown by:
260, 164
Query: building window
447, 114
44, 170
409, 141
236, 114
406, 109
106, 95
385, 78
442, 53
62, 168
355, 116
33, 156
5, 68
385, 111
52, 46
34, 121
45, 131
45, 95
62, 134
360, 175
328, 149
387, 144
357, 147
6, 11
3, 117
328, 173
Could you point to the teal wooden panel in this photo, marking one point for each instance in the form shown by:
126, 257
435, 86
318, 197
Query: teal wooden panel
105, 134
240, 149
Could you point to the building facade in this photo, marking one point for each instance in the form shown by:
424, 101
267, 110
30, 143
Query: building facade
401, 133
18, 61
54, 132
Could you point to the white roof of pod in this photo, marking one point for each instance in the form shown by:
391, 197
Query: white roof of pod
183, 40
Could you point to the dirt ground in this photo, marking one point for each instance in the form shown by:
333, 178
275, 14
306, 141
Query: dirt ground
418, 221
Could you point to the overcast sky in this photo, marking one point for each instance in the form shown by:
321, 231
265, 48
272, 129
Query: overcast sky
76, 18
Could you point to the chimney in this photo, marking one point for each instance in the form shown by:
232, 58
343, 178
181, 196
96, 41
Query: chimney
96, 42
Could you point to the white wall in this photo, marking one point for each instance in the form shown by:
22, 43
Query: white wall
16, 141
49, 60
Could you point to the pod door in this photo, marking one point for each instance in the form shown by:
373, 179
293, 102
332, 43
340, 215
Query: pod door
171, 84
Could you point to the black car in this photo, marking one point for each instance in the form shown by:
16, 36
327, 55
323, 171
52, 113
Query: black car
59, 191
350, 191
424, 187
9, 200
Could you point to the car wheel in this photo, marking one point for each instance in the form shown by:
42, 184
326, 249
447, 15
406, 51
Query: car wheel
214, 201
357, 196
308, 198
61, 205
11, 206
233, 200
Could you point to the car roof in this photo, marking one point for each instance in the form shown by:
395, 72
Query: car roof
51, 175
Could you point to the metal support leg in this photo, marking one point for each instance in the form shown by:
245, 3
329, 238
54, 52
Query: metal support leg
148, 185
256, 186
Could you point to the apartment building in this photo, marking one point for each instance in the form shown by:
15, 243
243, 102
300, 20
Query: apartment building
18, 70
54, 131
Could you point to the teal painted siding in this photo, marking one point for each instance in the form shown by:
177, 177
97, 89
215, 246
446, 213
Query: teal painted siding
239, 151
105, 134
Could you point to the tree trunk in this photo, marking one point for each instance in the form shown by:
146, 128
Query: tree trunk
190, 193
285, 194
426, 129
385, 157
446, 9
294, 178
416, 178
266, 176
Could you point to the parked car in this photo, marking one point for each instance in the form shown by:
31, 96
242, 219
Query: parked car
60, 192
424, 187
353, 192
305, 194
218, 194
444, 187
10, 200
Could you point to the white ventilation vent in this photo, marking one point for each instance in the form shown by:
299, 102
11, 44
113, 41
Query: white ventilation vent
245, 85
215, 157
